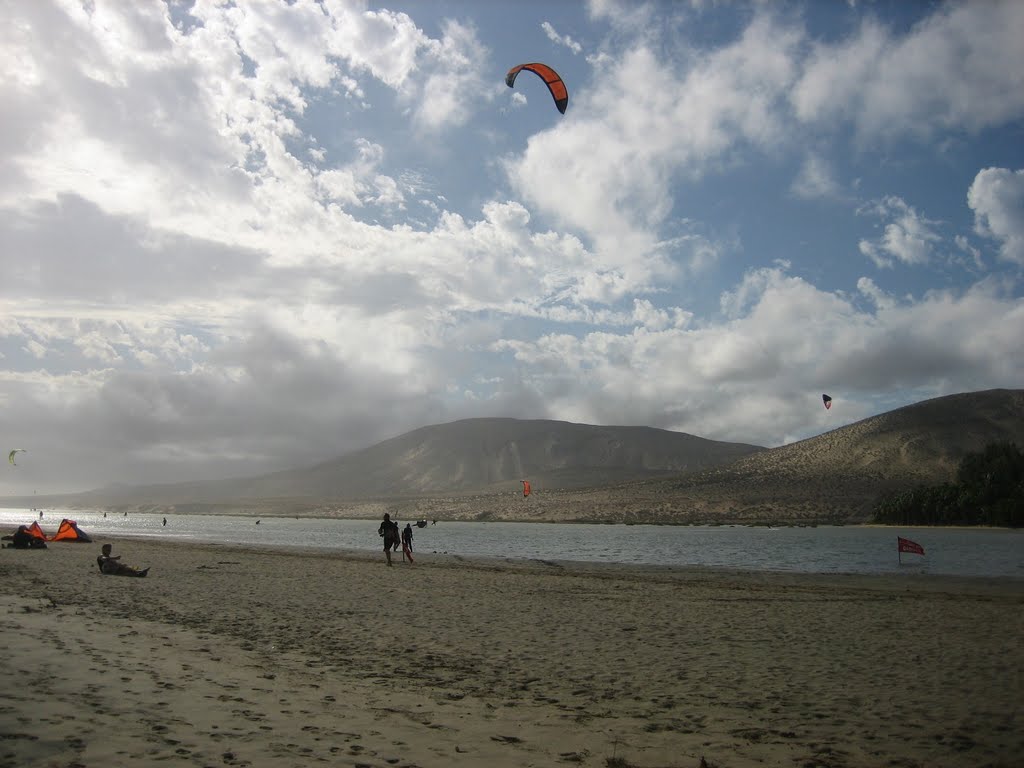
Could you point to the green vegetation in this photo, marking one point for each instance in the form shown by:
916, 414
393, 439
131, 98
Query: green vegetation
989, 490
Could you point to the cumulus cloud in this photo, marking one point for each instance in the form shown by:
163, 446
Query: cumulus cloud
455, 81
909, 238
997, 198
957, 68
359, 182
650, 126
782, 329
657, 120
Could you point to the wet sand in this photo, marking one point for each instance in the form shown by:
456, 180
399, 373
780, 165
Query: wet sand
228, 656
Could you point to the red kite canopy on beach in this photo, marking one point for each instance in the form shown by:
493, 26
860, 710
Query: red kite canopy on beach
549, 76
69, 531
526, 487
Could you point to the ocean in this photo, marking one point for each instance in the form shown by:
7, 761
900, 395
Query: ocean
993, 553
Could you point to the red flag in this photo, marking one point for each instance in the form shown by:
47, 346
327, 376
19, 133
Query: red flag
906, 545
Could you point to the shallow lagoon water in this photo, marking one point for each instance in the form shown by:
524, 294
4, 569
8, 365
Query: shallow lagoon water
822, 549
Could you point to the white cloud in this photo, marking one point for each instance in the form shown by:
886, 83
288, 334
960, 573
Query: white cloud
711, 379
878, 297
455, 83
908, 238
816, 179
997, 198
961, 67
655, 121
626, 15
35, 349
384, 43
359, 182
565, 40
650, 125
231, 89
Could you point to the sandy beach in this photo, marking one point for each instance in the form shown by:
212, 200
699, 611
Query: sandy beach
227, 656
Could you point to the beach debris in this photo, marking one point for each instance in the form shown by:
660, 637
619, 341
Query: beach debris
507, 739
551, 78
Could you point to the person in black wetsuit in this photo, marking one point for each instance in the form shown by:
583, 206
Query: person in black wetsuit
389, 530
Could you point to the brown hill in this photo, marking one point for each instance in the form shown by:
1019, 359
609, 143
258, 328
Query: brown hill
844, 471
474, 455
835, 477
470, 470
470, 456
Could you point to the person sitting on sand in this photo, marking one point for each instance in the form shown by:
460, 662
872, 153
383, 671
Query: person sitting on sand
110, 565
22, 539
389, 530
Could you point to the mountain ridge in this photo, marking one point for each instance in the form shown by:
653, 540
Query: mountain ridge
465, 456
615, 474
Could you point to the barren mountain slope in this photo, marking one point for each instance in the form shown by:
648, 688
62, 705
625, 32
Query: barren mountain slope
470, 456
471, 470
480, 454
843, 472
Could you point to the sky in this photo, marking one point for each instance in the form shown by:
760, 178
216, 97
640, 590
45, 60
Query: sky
240, 237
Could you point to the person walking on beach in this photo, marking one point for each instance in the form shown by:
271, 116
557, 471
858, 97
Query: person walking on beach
389, 530
407, 542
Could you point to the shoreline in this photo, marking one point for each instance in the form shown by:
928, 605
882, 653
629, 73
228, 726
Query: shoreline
255, 656
376, 509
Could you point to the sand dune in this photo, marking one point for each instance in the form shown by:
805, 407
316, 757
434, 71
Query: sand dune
238, 657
